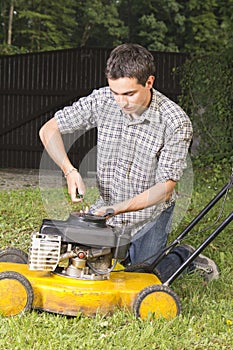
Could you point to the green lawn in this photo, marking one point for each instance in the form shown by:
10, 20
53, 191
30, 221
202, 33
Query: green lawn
206, 321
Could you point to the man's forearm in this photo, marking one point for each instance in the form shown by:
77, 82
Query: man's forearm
53, 143
158, 193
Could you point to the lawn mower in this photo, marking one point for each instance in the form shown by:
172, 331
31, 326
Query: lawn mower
73, 267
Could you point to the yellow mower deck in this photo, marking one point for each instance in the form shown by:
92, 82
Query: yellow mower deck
69, 296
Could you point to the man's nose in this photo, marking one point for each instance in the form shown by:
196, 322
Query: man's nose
122, 100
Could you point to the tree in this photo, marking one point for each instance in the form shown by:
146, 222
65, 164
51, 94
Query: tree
162, 26
45, 27
172, 25
6, 13
36, 25
208, 25
153, 23
226, 24
11, 12
98, 24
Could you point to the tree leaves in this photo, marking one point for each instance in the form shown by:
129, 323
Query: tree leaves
173, 25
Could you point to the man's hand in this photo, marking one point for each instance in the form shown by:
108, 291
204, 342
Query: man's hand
75, 186
105, 211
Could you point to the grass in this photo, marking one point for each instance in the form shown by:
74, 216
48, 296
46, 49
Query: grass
206, 321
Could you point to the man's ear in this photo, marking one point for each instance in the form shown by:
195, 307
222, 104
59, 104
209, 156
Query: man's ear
150, 82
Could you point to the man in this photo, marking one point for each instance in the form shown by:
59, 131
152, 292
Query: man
143, 140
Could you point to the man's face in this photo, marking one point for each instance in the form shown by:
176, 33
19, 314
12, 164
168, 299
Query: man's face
132, 97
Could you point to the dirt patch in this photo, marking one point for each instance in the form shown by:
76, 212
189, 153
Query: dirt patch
26, 178
18, 178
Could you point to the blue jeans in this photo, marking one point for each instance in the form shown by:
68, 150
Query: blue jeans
147, 243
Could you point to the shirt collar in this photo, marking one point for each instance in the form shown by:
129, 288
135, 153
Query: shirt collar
151, 114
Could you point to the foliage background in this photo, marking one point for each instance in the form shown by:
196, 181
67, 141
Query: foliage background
207, 86
172, 25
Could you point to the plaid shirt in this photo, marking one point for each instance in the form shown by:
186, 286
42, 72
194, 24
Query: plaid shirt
133, 155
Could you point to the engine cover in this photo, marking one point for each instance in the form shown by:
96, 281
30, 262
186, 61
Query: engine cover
88, 230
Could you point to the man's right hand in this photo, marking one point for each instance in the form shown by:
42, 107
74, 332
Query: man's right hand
75, 185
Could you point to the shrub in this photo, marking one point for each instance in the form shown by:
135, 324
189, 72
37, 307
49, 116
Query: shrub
207, 96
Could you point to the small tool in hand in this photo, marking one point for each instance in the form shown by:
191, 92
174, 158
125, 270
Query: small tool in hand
79, 195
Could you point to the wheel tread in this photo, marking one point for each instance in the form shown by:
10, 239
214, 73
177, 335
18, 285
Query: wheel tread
13, 275
153, 289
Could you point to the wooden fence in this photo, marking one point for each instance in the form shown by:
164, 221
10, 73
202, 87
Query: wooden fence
34, 86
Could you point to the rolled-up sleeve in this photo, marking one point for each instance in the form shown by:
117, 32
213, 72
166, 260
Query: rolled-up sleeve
173, 155
82, 114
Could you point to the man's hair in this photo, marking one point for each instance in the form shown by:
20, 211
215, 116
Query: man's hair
131, 61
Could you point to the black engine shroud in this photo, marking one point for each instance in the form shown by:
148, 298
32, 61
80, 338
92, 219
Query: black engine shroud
88, 230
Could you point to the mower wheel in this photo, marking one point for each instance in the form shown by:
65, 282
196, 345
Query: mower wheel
13, 255
16, 294
157, 301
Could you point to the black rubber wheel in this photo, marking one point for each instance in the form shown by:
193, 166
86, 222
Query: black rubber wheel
16, 294
13, 255
157, 301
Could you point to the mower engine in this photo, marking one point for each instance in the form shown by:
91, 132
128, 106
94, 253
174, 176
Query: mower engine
82, 247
